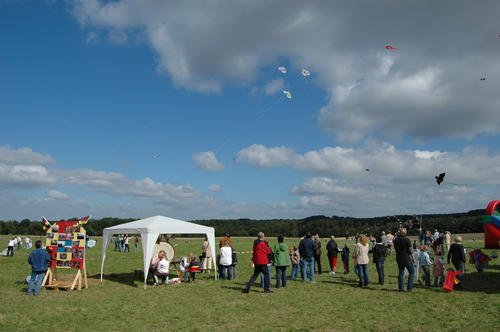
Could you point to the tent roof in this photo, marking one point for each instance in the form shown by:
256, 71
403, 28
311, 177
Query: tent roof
158, 224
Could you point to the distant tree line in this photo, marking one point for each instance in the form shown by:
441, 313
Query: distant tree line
470, 222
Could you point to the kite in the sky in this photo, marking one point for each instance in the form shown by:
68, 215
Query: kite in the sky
305, 72
391, 48
483, 79
440, 178
367, 169
282, 69
287, 94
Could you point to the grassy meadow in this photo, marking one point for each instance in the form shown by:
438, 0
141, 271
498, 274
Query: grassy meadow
333, 302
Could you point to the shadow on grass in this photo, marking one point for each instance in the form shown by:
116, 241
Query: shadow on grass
122, 278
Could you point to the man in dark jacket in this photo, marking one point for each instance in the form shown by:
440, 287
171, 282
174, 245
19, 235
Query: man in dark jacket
404, 258
307, 251
332, 251
39, 260
379, 254
260, 261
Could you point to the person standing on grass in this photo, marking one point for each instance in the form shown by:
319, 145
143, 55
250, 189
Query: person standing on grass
307, 251
126, 246
390, 242
404, 259
136, 243
447, 241
345, 255
207, 255
457, 256
39, 260
260, 261
424, 260
295, 258
379, 254
317, 253
281, 262
225, 261
10, 247
362, 260
332, 252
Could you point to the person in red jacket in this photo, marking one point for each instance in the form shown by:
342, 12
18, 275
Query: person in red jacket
260, 259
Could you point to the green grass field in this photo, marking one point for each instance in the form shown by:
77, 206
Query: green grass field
332, 303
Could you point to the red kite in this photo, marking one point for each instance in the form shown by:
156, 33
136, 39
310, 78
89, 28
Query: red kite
391, 48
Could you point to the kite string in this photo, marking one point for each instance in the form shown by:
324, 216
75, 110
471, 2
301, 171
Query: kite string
255, 116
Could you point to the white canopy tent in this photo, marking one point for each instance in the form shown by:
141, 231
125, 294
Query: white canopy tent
150, 229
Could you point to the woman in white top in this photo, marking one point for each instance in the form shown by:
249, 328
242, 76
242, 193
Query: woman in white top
225, 261
362, 260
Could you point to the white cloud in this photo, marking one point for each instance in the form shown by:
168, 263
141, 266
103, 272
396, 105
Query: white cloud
261, 156
274, 86
215, 188
57, 195
429, 88
24, 156
207, 161
118, 37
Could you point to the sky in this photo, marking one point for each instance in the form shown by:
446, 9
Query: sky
134, 108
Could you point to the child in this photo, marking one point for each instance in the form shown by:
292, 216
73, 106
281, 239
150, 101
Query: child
480, 260
424, 261
194, 267
184, 267
162, 269
345, 258
295, 258
438, 270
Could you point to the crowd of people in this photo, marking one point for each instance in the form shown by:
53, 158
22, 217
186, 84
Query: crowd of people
16, 243
410, 259
429, 256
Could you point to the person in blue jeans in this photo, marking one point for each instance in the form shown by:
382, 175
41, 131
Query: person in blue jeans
39, 260
295, 258
307, 251
404, 258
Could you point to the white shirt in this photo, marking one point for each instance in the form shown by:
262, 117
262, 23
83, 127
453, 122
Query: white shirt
226, 257
12, 242
163, 266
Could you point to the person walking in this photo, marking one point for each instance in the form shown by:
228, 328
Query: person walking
404, 259
379, 254
260, 261
307, 251
10, 247
281, 262
39, 260
332, 252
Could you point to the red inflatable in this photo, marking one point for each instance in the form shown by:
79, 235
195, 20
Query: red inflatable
492, 226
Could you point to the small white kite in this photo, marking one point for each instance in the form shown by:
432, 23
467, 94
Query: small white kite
305, 72
287, 94
282, 69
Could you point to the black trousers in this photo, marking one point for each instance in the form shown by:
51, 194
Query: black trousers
258, 270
